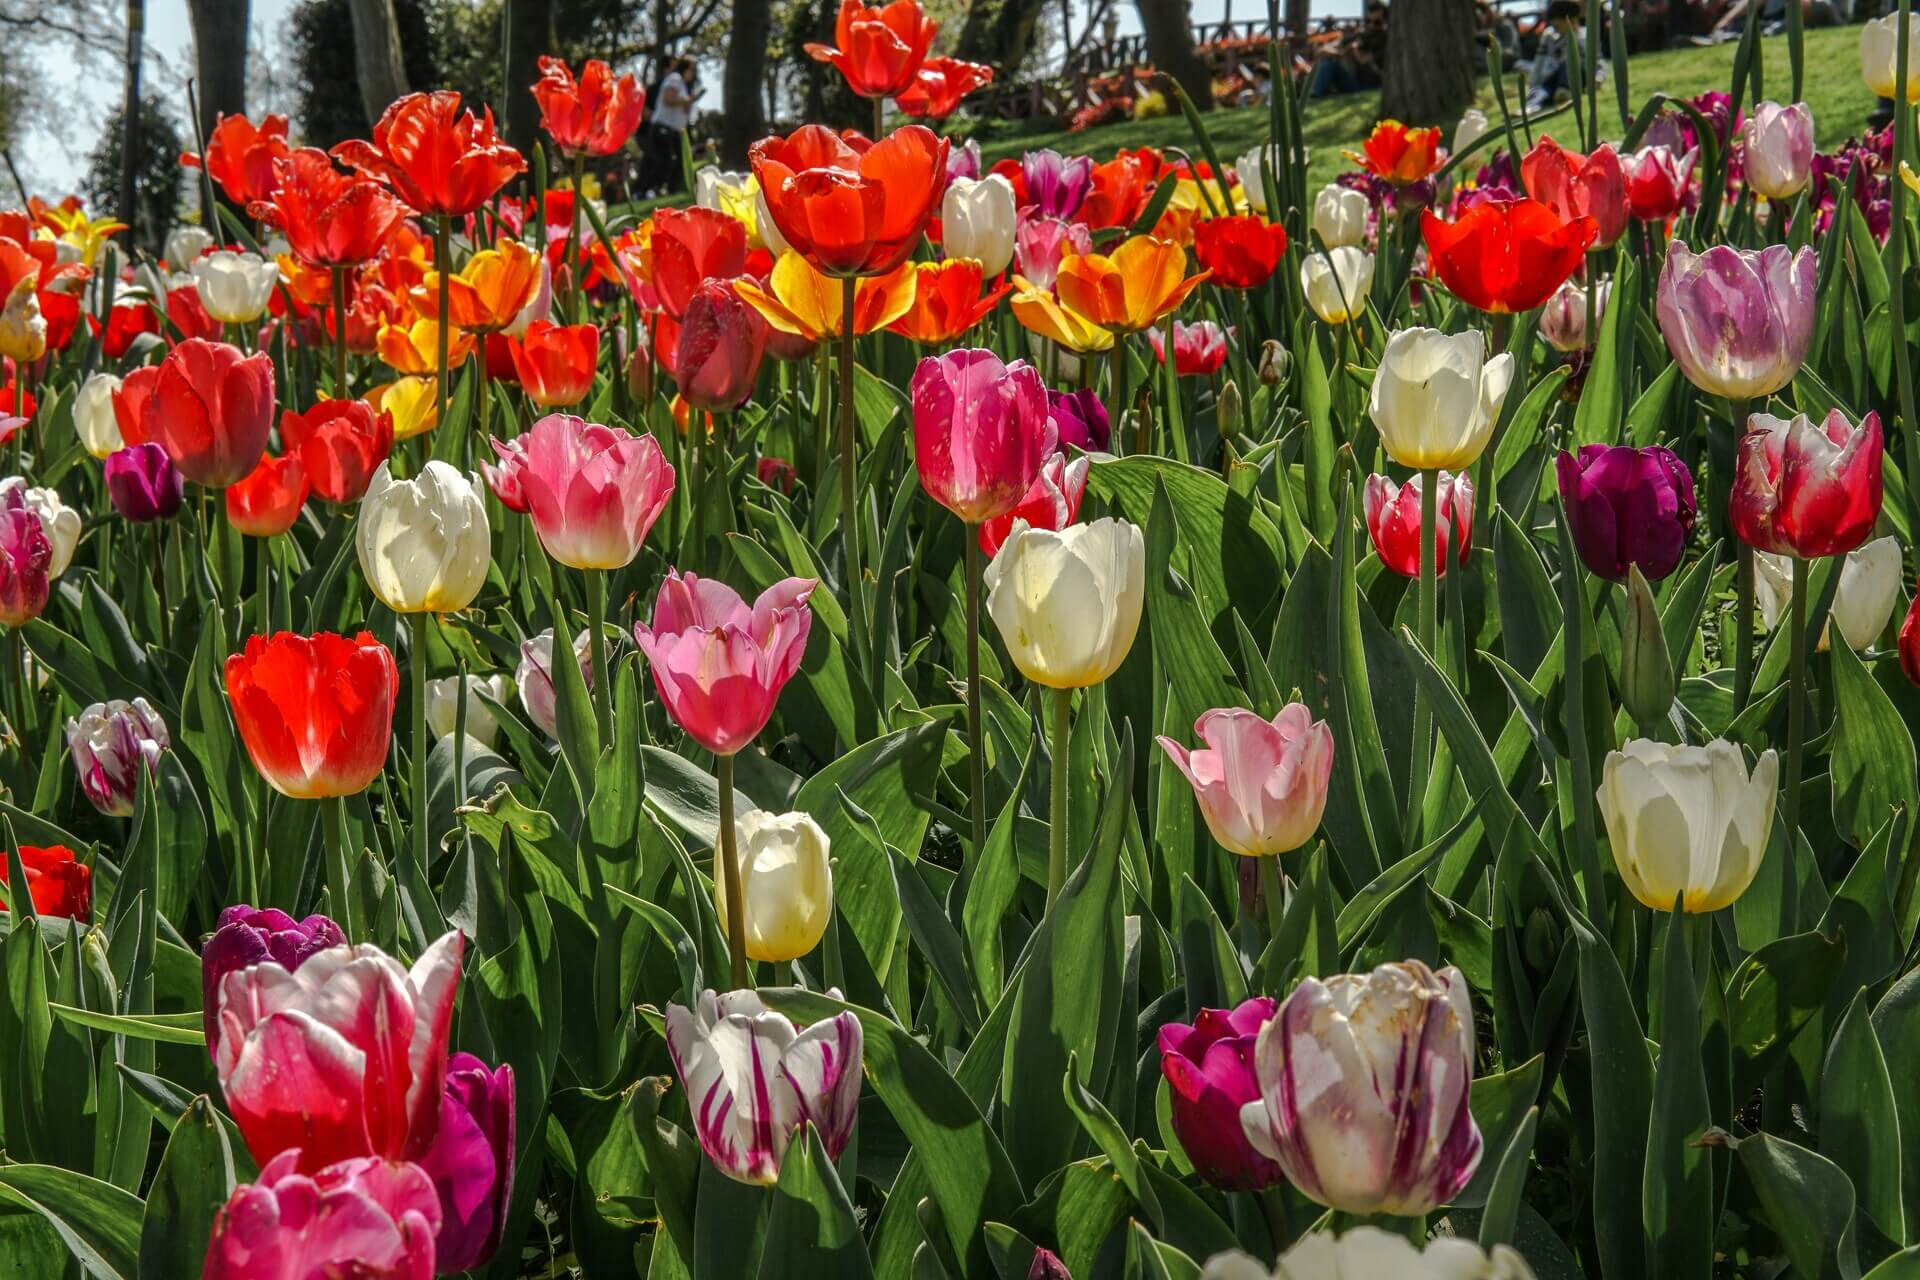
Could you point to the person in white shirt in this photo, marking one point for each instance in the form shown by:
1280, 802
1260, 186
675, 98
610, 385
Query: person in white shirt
660, 169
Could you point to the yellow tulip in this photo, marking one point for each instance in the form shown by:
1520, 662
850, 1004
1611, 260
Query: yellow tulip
1042, 313
807, 304
415, 348
1130, 289
413, 403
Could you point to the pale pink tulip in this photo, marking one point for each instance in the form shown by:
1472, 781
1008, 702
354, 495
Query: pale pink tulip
719, 663
1262, 785
593, 491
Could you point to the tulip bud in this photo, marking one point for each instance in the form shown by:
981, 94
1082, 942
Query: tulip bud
535, 676
23, 330
1687, 822
185, 243
786, 884
1252, 177
143, 483
1563, 321
1541, 940
722, 342
1473, 126
977, 220
235, 287
110, 742
1646, 668
1227, 410
1276, 363
443, 706
93, 417
424, 543
640, 373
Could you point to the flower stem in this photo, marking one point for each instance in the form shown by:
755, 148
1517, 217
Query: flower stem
340, 333
1057, 798
849, 478
333, 816
1743, 561
417, 656
1422, 760
1273, 890
976, 739
1117, 390
443, 263
1797, 695
575, 259
264, 561
729, 872
597, 632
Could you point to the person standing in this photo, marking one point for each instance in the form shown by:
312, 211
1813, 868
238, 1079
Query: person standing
660, 169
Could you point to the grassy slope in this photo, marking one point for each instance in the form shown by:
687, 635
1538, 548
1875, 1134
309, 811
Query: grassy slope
1832, 87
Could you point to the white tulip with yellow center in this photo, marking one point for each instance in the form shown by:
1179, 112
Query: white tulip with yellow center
786, 883
1067, 602
1337, 282
93, 417
424, 544
443, 707
1436, 398
235, 287
1863, 600
1685, 822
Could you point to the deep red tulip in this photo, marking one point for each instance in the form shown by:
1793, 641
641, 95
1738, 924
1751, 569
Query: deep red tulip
58, 884
878, 48
554, 363
1210, 1077
1910, 641
125, 322
340, 444
1807, 491
268, 500
852, 207
1505, 256
591, 116
692, 246
240, 157
1052, 503
315, 712
1393, 519
721, 344
940, 85
211, 410
1626, 507
437, 158
1657, 181
330, 219
1242, 251
1573, 185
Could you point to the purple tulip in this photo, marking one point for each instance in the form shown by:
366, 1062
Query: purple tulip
471, 1162
963, 160
143, 483
1739, 321
1778, 146
1627, 506
1056, 186
109, 742
247, 936
1081, 419
1210, 1078
1363, 1090
26, 562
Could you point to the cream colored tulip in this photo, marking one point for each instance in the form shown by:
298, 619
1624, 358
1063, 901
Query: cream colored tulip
977, 218
93, 417
1687, 822
185, 243
1339, 216
786, 883
1879, 51
1067, 603
1337, 282
711, 182
424, 543
1863, 600
235, 287
443, 707
1368, 1253
1252, 182
1436, 398
23, 330
1473, 126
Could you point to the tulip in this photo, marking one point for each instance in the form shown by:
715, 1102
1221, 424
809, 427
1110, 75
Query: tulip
1131, 288
57, 882
211, 408
1052, 502
1081, 419
1909, 644
722, 343
23, 327
143, 483
246, 936
1056, 186
1363, 1090
25, 557
241, 157
489, 293
436, 158
235, 287
340, 443
1041, 313
1253, 180
1687, 822
329, 218
187, 242
946, 301
109, 742
60, 522
1394, 521
1261, 785
443, 706
187, 314
593, 491
93, 418
940, 85
1738, 321
1039, 244
1436, 397
1067, 603
267, 502
977, 220
878, 48
1627, 507
314, 712
1563, 321
1657, 180
719, 665
424, 544
1879, 57
981, 431
803, 303
412, 403
1807, 491
690, 247
1199, 349
1575, 186
126, 322
1505, 256
366, 1218
535, 677
1121, 188
786, 884
1337, 282
471, 1162
413, 346
1368, 1253
1777, 160
593, 116
555, 363
1209, 1071
504, 480
1863, 599
1399, 155
1241, 252
1473, 126
752, 1079
850, 206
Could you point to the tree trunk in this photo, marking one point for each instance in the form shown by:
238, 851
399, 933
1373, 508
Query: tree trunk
1299, 18
220, 70
999, 33
1168, 26
1431, 57
743, 120
529, 34
130, 120
377, 63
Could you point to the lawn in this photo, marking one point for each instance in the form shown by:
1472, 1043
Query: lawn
1839, 100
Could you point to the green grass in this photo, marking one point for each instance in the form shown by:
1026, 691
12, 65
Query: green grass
1832, 87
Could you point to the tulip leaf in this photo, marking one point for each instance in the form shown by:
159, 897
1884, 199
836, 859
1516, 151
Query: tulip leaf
1873, 769
1110, 1138
1773, 993
1519, 439
990, 882
1623, 1090
1360, 756
1859, 1119
1500, 1103
1904, 1265
729, 1224
574, 723
811, 1231
1808, 1202
1149, 1259
1011, 1252
1215, 978
97, 1221
1366, 906
1077, 1209
26, 1026
1677, 1195
1599, 416
166, 1028
1896, 1024
1509, 1180
932, 932
671, 932
195, 1177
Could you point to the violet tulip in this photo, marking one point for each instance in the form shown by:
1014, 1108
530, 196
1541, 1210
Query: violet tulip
1657, 180
718, 663
1777, 158
341, 1057
752, 1078
143, 483
26, 559
1199, 349
1052, 503
248, 936
1056, 185
471, 1162
212, 410
1393, 521
1081, 419
364, 1218
1210, 1078
1627, 506
1573, 185
981, 429
111, 742
722, 341
1738, 321
1363, 1090
593, 491
1261, 784
1807, 491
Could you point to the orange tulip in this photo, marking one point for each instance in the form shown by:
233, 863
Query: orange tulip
1040, 312
330, 219
435, 157
489, 292
1506, 256
1121, 188
593, 116
852, 207
555, 363
690, 247
878, 48
415, 348
1397, 154
803, 302
1131, 288
240, 157
939, 86
946, 301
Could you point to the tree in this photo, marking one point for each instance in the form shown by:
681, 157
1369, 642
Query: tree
321, 49
220, 65
157, 173
1168, 27
1299, 18
379, 67
529, 33
1431, 58
999, 33
743, 117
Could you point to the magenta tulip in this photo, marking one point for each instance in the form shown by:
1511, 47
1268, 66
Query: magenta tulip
143, 483
1627, 506
1080, 419
593, 491
1052, 503
722, 341
1056, 185
1738, 321
247, 936
1807, 491
1210, 1079
1262, 785
26, 561
504, 480
363, 1218
719, 664
981, 429
471, 1161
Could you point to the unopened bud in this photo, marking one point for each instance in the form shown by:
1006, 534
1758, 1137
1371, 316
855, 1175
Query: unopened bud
1276, 363
1646, 668
1227, 411
1541, 940
640, 373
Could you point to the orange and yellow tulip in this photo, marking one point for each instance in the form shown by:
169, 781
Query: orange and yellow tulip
1397, 154
1042, 313
489, 292
413, 402
414, 349
946, 301
806, 303
1132, 288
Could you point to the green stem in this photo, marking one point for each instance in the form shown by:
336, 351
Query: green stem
976, 739
1272, 888
333, 816
1573, 603
597, 633
160, 567
340, 333
1117, 389
1057, 797
264, 562
1797, 695
729, 871
1896, 298
443, 263
849, 472
417, 654
1742, 628
574, 262
1422, 760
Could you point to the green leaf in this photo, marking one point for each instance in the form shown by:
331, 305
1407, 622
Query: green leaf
1872, 753
1509, 1180
1771, 996
167, 1028
1860, 1121
1500, 1103
1807, 1201
1677, 1193
194, 1179
812, 1231
1597, 419
1110, 1138
1622, 1101
1896, 1025
97, 1221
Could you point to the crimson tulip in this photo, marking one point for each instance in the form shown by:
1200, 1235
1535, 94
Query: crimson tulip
126, 321
1242, 251
1657, 181
340, 443
591, 116
878, 48
437, 158
1210, 1077
1573, 185
718, 663
366, 1218
1627, 507
268, 500
1505, 256
26, 561
188, 314
1393, 520
1053, 502
330, 219
690, 247
554, 363
241, 157
57, 882
850, 206
721, 343
981, 431
142, 483
940, 85
314, 712
1807, 491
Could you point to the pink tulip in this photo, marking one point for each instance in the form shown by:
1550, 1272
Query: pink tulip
1777, 152
1040, 242
1573, 185
1804, 490
1199, 349
341, 1057
1052, 503
593, 491
1393, 521
718, 664
1738, 321
722, 341
471, 1162
981, 429
26, 557
363, 1218
1262, 785
504, 480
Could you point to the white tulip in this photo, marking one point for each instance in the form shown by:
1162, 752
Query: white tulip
1879, 52
1687, 820
786, 883
535, 676
1340, 216
93, 417
977, 218
1368, 1253
1563, 321
1247, 169
424, 544
709, 182
60, 522
765, 227
1863, 600
1436, 397
1337, 282
1067, 603
443, 708
1473, 126
186, 243
235, 287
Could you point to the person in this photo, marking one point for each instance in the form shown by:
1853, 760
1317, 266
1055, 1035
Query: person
1547, 73
660, 168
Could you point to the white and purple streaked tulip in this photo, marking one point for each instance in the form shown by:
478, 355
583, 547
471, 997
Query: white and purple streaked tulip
752, 1078
1363, 1090
109, 742
1056, 185
1778, 149
1738, 321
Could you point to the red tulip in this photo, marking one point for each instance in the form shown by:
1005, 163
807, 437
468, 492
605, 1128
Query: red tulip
125, 322
240, 157
1393, 519
1505, 256
330, 219
1052, 503
1121, 188
1573, 185
212, 410
1807, 491
340, 443
850, 206
722, 341
315, 712
939, 86
554, 363
58, 884
26, 560
130, 401
1657, 182
1910, 641
267, 502
878, 48
593, 116
189, 315
1399, 155
1199, 349
692, 246
946, 301
437, 158
1242, 251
